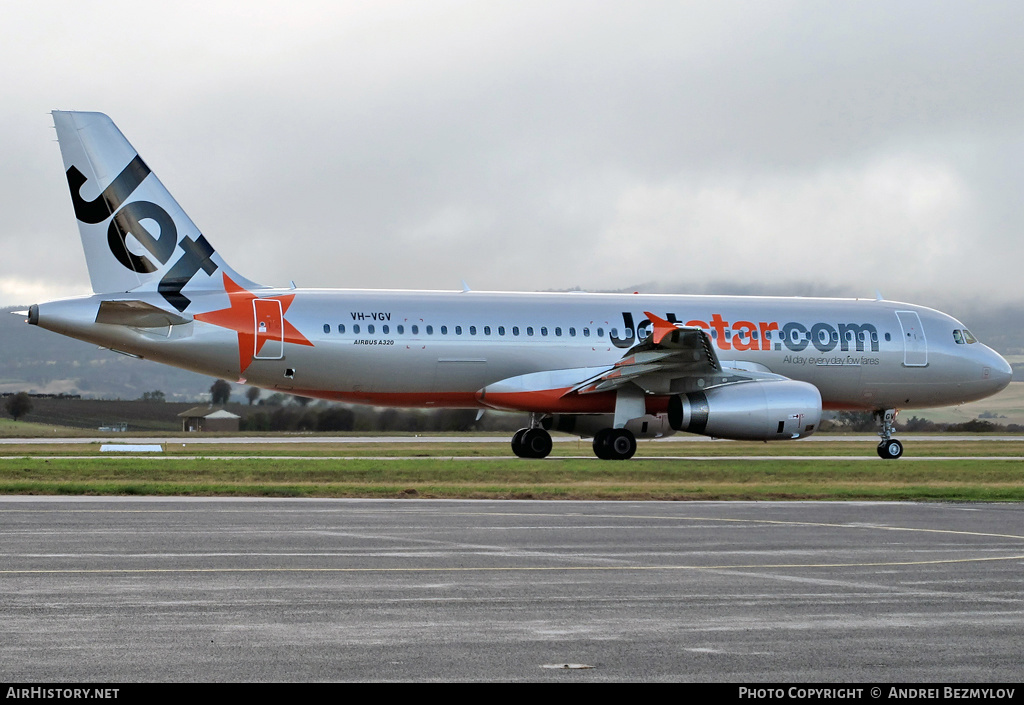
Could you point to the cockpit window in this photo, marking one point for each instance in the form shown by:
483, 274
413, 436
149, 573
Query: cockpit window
963, 337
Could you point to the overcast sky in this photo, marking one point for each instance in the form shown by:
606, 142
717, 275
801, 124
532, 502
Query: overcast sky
780, 146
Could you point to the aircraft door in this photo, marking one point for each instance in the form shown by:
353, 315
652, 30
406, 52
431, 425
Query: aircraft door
268, 320
915, 347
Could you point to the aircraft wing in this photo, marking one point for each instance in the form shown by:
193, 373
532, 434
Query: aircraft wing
666, 360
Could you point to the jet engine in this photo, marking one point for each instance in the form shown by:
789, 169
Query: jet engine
749, 411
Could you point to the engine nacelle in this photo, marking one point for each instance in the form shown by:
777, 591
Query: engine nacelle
647, 426
749, 411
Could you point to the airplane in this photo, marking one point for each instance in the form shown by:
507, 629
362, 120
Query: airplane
614, 367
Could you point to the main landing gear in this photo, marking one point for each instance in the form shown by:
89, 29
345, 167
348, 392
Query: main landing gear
889, 448
531, 443
614, 444
609, 443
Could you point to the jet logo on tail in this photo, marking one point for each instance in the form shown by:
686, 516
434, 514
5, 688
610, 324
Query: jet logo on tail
127, 220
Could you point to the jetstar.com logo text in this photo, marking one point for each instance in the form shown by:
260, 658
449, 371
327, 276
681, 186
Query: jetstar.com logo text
765, 335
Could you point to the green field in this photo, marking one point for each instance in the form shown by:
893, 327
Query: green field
933, 469
1007, 407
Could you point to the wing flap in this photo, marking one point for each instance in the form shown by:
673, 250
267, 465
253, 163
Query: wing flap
673, 358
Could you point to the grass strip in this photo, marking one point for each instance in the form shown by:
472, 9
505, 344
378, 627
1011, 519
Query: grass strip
916, 448
960, 479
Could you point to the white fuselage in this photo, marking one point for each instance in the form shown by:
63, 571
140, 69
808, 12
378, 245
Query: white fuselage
407, 348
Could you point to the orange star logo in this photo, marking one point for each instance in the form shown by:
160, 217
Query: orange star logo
256, 323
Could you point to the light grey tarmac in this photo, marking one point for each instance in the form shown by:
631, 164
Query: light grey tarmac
212, 589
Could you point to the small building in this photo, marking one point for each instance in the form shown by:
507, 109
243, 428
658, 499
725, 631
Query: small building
209, 418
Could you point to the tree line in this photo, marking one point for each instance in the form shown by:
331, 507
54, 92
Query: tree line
339, 418
865, 422
285, 412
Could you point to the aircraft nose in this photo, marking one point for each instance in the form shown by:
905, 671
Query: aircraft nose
997, 370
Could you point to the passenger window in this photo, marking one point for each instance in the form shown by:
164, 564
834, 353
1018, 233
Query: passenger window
327, 327
430, 330
472, 330
572, 332
487, 330
543, 330
515, 330
401, 329
369, 329
355, 328
529, 330
600, 332
415, 330
385, 330
501, 330
341, 327
458, 330
586, 332
444, 330
558, 332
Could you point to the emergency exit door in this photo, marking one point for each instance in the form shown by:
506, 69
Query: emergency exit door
269, 323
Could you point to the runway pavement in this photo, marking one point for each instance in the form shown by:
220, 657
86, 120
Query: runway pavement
151, 589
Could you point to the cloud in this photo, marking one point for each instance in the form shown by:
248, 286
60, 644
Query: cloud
542, 145
858, 227
25, 291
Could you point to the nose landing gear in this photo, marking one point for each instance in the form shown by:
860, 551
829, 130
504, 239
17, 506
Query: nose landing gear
889, 448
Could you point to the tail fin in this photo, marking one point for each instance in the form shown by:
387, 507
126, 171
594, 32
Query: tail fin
135, 235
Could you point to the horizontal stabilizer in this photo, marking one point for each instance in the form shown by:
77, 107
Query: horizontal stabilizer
137, 314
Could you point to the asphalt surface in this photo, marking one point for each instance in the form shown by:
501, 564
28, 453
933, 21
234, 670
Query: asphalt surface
122, 590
